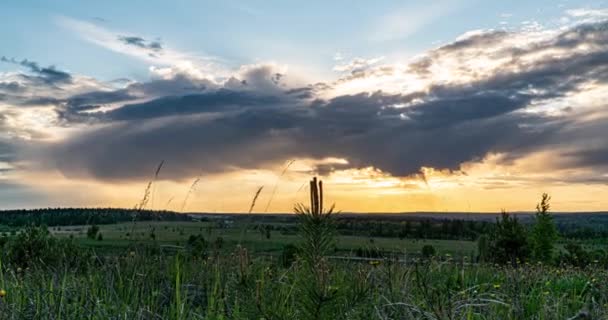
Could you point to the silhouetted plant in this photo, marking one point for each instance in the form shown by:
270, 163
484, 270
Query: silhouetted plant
428, 251
317, 232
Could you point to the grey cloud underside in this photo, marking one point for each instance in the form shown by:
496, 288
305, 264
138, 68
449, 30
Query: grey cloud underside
220, 101
8, 147
48, 75
352, 127
7, 151
141, 43
218, 129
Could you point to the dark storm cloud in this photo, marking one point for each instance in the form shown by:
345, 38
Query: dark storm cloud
11, 86
252, 122
141, 43
219, 101
77, 108
49, 75
352, 127
74, 108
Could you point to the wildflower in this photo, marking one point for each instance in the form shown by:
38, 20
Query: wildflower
2, 293
496, 286
374, 262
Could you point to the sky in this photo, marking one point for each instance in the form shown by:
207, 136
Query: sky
461, 105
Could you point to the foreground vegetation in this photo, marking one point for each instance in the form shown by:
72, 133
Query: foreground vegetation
140, 285
202, 269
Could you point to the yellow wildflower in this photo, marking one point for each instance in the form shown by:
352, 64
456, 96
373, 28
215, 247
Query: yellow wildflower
374, 262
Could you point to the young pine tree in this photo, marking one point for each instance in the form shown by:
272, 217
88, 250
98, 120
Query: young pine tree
509, 241
317, 231
544, 232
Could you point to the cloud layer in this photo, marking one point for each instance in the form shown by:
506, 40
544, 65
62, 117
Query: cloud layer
514, 93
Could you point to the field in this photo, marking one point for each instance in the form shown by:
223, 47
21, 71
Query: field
177, 234
244, 269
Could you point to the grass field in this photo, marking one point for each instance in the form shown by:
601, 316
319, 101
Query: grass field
130, 274
135, 284
177, 233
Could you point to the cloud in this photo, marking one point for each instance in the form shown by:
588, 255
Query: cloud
165, 61
49, 75
154, 46
7, 151
513, 93
357, 65
588, 15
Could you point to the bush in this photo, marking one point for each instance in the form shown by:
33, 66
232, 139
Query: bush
197, 245
428, 251
92, 231
34, 246
288, 255
368, 253
508, 241
483, 251
3, 241
578, 256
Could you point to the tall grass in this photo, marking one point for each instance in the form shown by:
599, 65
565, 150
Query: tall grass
147, 286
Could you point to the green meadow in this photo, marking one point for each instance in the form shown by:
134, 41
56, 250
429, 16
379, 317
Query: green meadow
177, 234
314, 264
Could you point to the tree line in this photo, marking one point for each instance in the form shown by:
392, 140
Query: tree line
83, 216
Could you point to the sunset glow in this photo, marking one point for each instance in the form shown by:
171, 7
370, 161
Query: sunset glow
413, 112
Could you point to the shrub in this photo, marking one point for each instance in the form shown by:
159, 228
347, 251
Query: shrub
197, 245
428, 251
288, 255
369, 252
3, 241
509, 241
483, 251
576, 255
92, 231
34, 246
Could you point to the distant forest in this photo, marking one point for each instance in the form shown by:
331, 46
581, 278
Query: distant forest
412, 226
83, 216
